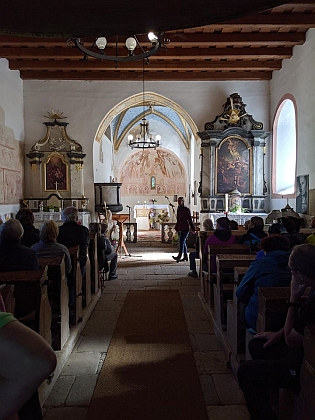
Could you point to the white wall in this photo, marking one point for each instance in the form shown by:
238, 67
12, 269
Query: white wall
11, 102
86, 103
297, 78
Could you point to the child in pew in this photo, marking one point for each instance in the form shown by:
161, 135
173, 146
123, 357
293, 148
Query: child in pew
277, 356
272, 270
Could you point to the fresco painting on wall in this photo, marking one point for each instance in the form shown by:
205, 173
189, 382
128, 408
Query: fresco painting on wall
11, 164
166, 169
233, 166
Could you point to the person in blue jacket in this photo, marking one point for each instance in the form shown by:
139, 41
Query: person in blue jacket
270, 271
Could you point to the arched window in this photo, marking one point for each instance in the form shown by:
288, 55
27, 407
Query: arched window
284, 149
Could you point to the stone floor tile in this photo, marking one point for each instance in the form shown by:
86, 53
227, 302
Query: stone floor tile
195, 326
167, 282
81, 391
210, 394
227, 412
204, 342
196, 315
60, 391
228, 389
211, 362
66, 413
94, 343
82, 364
190, 281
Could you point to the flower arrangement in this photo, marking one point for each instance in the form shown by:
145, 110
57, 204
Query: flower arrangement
163, 217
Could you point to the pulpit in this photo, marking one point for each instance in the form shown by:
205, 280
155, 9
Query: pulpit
120, 218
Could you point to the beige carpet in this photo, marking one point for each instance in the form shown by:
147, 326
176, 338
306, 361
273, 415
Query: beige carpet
149, 372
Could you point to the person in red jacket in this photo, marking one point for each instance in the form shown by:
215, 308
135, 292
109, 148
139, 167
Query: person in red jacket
184, 222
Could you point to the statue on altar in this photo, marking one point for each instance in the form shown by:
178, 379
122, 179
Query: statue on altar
152, 218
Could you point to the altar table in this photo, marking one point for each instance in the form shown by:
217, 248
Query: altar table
141, 214
240, 218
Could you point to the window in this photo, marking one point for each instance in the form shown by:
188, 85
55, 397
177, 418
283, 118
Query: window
284, 149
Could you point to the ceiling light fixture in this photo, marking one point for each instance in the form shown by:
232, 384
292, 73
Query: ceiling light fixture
97, 49
144, 139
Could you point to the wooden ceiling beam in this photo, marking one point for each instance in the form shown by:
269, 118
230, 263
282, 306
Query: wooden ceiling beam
164, 76
272, 20
52, 65
170, 54
177, 39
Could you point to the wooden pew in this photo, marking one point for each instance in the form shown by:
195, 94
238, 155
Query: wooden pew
307, 379
32, 305
95, 272
235, 331
212, 276
223, 290
8, 299
75, 287
86, 283
58, 295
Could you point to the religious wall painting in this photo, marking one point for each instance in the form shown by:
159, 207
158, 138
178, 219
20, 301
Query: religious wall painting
233, 166
56, 173
161, 166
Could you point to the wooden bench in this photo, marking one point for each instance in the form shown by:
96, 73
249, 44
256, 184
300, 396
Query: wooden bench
7, 298
32, 305
58, 295
95, 272
75, 287
307, 380
235, 331
223, 288
210, 276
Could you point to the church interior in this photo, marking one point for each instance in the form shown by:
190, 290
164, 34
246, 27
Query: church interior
218, 110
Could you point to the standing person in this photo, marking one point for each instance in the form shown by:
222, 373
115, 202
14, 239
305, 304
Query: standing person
184, 222
73, 234
277, 356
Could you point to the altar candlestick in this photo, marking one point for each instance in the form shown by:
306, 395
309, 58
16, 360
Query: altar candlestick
226, 202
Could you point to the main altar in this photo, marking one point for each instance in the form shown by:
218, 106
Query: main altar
141, 213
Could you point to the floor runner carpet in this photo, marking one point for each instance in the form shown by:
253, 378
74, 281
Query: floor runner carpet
149, 372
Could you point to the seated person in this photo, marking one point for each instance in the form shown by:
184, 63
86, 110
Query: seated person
110, 253
270, 271
292, 228
48, 245
254, 234
277, 356
221, 235
193, 255
26, 361
13, 255
233, 225
72, 234
31, 234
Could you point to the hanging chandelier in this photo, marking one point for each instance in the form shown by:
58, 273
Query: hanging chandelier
97, 49
144, 139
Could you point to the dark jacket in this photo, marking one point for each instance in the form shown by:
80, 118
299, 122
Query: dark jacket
270, 271
73, 234
16, 257
184, 220
30, 236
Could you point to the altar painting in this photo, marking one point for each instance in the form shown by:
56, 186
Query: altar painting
233, 166
56, 173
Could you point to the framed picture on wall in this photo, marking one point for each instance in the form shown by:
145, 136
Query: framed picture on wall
302, 197
56, 173
233, 165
